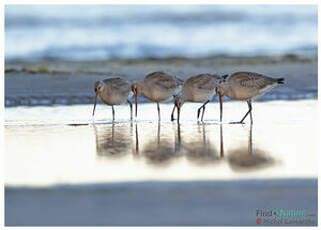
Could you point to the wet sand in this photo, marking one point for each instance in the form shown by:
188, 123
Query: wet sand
146, 173
148, 150
62, 167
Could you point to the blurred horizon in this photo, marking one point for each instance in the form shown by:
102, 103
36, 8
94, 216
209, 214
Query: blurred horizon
97, 32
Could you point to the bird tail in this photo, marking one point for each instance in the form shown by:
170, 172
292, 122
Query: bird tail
280, 81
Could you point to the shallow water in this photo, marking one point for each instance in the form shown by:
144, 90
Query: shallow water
114, 31
64, 145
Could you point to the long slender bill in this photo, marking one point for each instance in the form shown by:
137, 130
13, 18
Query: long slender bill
136, 100
178, 114
95, 105
221, 107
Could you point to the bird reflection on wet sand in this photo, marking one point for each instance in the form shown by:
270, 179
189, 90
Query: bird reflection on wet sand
248, 158
161, 145
199, 149
158, 151
113, 141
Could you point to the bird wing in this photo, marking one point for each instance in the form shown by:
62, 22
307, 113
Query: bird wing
202, 82
162, 80
154, 75
117, 84
113, 80
250, 80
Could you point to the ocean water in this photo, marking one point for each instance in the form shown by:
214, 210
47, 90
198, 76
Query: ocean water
113, 31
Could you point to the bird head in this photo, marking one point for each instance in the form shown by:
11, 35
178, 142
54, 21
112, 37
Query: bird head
98, 87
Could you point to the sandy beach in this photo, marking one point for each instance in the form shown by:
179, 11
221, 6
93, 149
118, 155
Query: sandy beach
72, 170
65, 167
194, 203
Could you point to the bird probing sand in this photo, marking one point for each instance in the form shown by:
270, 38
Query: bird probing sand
113, 91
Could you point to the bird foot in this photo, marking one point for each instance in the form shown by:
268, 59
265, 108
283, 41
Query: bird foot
199, 122
237, 122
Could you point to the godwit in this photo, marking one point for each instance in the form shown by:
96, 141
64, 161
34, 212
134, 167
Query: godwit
113, 91
157, 87
245, 86
199, 88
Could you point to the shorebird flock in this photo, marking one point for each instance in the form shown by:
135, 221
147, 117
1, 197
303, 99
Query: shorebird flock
159, 87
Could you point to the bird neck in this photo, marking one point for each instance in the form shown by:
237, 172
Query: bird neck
224, 89
141, 87
186, 94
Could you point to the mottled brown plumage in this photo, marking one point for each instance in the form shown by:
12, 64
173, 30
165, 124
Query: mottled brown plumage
246, 86
157, 87
199, 88
113, 91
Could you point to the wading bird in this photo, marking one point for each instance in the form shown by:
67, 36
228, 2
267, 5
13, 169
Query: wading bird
246, 86
157, 87
113, 91
199, 88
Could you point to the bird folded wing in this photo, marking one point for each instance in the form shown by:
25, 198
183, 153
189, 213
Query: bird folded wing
119, 85
166, 82
206, 84
250, 80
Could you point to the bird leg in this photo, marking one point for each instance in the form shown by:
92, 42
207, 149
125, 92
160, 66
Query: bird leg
172, 115
158, 110
113, 112
203, 113
199, 110
249, 103
131, 109
204, 109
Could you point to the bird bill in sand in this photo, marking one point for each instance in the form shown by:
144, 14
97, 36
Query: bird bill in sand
95, 104
136, 102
